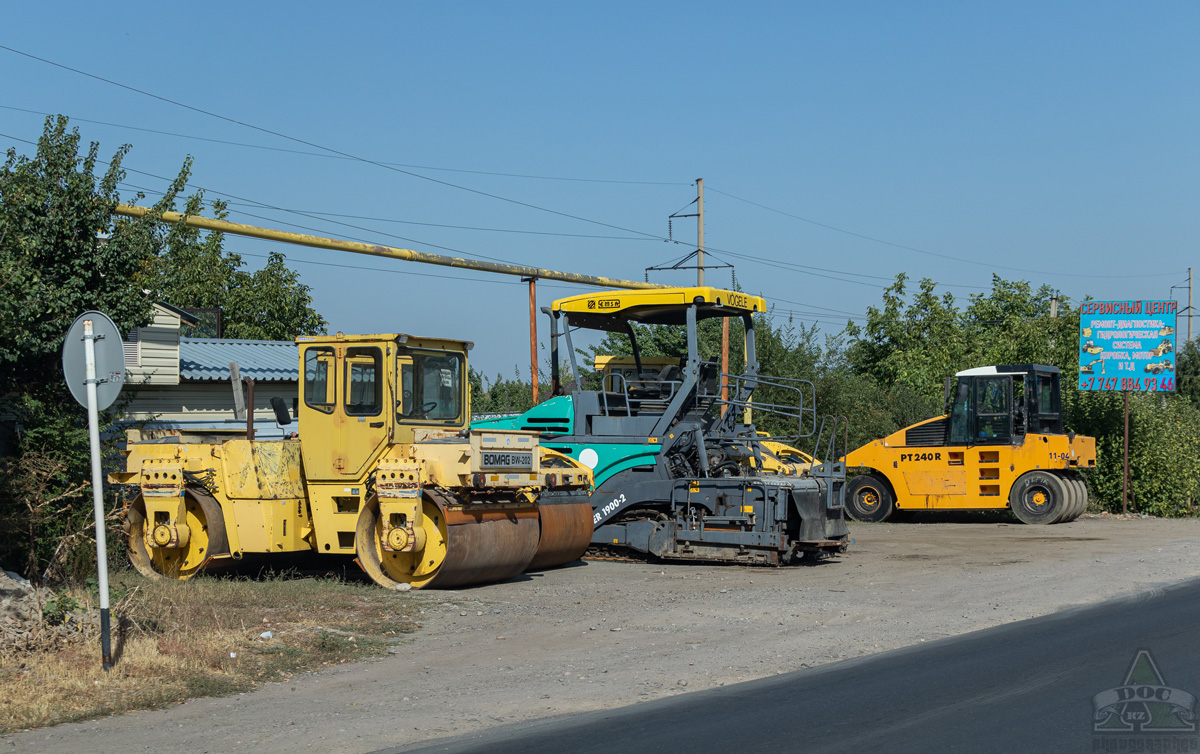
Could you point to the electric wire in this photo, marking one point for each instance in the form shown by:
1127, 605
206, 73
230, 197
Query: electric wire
529, 205
367, 160
314, 145
340, 157
924, 251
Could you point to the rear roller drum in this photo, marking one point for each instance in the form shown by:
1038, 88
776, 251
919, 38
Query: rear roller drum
206, 538
1039, 497
566, 532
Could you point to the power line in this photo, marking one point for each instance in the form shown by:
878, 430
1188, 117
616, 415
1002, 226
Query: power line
280, 209
357, 158
341, 157
924, 251
314, 145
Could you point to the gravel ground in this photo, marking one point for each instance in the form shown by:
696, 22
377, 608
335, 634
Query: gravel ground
607, 634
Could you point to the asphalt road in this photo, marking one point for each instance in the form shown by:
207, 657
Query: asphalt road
1022, 687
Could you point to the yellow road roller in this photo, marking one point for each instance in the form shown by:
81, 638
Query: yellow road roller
1000, 444
384, 468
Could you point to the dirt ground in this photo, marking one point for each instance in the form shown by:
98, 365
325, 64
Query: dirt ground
607, 634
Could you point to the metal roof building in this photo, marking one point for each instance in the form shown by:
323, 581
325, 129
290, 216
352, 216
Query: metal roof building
260, 360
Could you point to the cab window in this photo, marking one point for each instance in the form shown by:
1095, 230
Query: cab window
1047, 396
364, 388
431, 387
992, 414
319, 379
960, 414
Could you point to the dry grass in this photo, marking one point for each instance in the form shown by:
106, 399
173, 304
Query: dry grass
177, 641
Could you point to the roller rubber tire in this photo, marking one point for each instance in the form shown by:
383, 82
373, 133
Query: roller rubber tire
1081, 487
1039, 498
1074, 498
869, 499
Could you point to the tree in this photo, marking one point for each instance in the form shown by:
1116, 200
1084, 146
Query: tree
61, 253
196, 272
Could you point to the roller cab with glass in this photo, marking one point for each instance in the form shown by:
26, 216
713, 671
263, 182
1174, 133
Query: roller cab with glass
1000, 444
384, 469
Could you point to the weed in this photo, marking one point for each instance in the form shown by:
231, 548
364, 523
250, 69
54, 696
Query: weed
204, 637
59, 607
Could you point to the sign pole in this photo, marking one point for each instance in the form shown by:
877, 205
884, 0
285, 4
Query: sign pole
1125, 474
89, 346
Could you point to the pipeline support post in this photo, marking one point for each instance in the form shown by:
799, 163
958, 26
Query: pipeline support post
533, 339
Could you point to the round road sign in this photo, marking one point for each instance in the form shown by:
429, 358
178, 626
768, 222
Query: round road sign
110, 360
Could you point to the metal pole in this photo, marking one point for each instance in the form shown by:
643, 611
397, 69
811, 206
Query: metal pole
533, 340
89, 349
724, 364
1053, 314
408, 255
1125, 475
1189, 305
250, 409
700, 232
239, 398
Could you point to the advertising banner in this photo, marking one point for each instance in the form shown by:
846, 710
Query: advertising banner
1127, 345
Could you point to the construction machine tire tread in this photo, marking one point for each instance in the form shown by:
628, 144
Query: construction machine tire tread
1074, 498
869, 499
1081, 492
1040, 498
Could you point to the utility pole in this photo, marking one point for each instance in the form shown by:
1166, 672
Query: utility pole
700, 232
1189, 305
1053, 313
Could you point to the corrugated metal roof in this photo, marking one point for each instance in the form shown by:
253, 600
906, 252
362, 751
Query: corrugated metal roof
262, 360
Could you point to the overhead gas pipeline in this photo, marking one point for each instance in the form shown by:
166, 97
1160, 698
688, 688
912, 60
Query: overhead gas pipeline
376, 250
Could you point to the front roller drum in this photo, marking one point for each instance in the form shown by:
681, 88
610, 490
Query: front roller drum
463, 545
207, 537
566, 531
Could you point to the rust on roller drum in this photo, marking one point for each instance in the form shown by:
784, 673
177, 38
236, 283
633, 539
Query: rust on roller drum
566, 532
489, 546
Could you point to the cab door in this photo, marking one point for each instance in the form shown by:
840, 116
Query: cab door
346, 424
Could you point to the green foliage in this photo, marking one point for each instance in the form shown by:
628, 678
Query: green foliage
502, 395
195, 272
62, 252
59, 607
1164, 451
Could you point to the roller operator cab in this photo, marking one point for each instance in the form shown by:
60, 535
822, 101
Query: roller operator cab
680, 471
1000, 445
384, 470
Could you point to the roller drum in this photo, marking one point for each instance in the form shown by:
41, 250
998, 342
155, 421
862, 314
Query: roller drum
464, 545
566, 529
486, 546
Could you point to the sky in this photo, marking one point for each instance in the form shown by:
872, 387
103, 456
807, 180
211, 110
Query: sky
839, 143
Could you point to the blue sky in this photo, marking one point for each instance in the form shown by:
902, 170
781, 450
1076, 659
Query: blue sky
1051, 142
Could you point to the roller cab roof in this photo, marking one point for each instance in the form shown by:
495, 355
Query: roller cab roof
412, 341
611, 310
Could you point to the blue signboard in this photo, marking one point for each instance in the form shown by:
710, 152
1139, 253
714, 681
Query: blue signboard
1127, 345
